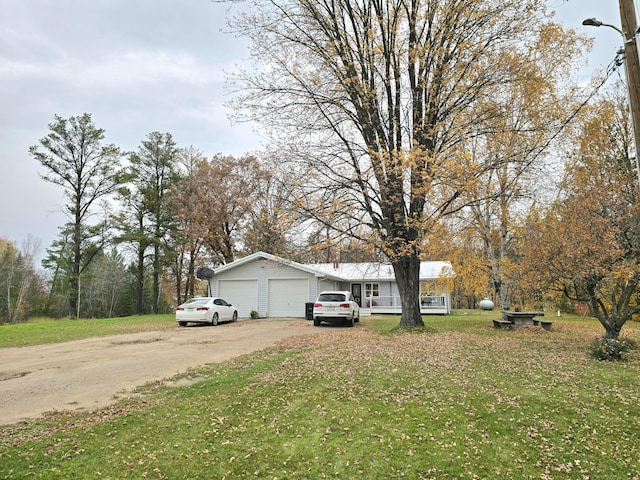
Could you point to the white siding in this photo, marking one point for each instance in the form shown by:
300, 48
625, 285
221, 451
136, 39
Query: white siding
261, 271
324, 285
243, 294
287, 297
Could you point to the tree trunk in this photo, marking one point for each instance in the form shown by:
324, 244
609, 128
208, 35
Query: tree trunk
407, 270
73, 296
191, 275
611, 321
620, 307
24, 285
74, 286
179, 261
140, 282
156, 278
612, 330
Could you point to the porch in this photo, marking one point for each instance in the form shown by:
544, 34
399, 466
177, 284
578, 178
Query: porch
429, 305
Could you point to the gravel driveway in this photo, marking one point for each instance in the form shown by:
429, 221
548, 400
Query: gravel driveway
93, 373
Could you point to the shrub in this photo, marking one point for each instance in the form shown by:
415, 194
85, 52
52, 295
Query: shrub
253, 314
608, 349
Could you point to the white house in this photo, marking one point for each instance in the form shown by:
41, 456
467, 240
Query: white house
277, 287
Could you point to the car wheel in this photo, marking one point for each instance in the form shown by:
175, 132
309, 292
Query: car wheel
214, 319
182, 324
351, 322
316, 322
235, 316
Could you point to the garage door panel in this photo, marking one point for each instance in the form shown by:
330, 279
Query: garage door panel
287, 297
242, 294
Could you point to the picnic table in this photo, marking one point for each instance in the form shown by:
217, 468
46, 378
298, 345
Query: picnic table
512, 319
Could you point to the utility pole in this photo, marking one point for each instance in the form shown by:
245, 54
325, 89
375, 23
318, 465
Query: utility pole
629, 26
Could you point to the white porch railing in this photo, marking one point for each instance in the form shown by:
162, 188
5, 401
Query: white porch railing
392, 304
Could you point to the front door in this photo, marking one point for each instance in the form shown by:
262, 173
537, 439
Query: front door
356, 290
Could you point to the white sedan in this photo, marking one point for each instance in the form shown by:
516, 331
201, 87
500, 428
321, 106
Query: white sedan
205, 310
339, 306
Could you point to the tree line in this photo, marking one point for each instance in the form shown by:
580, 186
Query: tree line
140, 223
404, 130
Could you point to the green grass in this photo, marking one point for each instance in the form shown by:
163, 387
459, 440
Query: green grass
42, 330
456, 399
458, 320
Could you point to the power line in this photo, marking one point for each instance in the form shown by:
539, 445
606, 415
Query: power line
613, 66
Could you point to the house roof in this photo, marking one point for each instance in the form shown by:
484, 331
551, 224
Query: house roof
347, 271
266, 256
380, 271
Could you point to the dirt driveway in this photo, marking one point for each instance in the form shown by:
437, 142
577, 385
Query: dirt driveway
93, 373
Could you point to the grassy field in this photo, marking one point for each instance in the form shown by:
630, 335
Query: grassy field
42, 330
456, 399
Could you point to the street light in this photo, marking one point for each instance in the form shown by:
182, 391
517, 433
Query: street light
594, 22
633, 101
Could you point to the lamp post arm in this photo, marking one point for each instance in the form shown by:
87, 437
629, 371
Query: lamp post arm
619, 30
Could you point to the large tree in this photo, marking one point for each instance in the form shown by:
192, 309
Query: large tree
535, 109
587, 244
154, 168
271, 217
75, 158
191, 213
211, 203
134, 234
377, 98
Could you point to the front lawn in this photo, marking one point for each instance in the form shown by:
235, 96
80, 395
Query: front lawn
45, 330
457, 399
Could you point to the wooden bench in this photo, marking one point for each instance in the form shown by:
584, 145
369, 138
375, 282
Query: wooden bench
502, 324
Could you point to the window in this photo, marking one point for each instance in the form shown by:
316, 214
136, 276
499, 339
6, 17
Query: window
332, 297
371, 290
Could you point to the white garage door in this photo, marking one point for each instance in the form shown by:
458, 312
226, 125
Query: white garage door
288, 296
242, 294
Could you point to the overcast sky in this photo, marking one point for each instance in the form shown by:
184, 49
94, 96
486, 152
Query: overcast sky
138, 66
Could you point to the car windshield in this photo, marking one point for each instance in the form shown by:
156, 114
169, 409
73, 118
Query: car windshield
197, 301
332, 297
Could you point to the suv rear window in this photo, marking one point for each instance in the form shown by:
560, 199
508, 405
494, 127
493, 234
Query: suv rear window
331, 297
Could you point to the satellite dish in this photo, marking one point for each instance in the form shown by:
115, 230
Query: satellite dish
204, 273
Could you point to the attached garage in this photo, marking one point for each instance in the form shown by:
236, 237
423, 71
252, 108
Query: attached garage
272, 286
243, 294
285, 297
